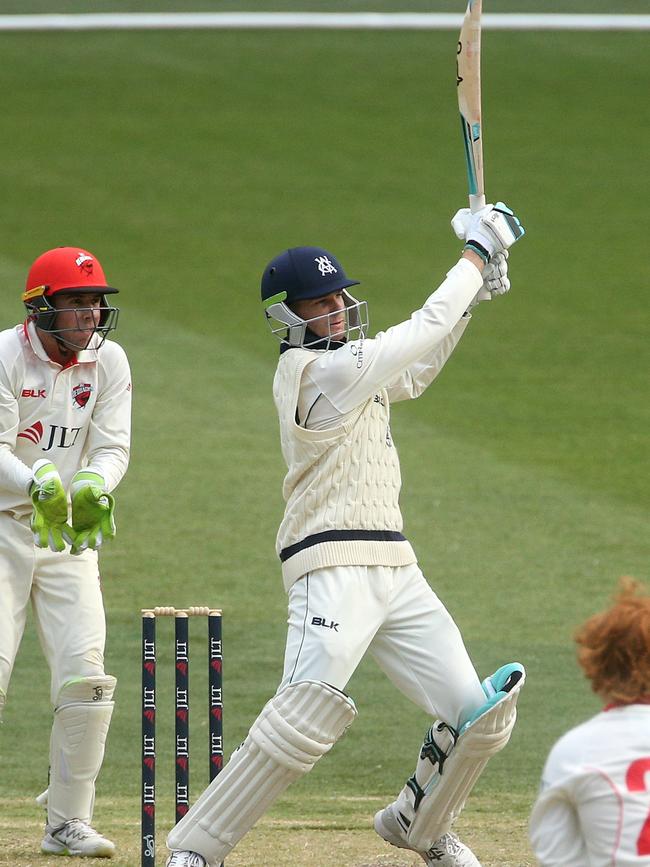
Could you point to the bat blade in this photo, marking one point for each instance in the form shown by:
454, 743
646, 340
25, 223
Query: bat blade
468, 80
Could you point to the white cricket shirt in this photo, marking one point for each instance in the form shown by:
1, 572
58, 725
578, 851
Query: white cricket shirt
593, 809
76, 416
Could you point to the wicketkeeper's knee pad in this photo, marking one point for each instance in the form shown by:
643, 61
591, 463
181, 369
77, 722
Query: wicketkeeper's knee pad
81, 720
296, 727
449, 763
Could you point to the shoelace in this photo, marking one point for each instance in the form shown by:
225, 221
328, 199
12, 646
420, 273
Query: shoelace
186, 859
76, 829
446, 845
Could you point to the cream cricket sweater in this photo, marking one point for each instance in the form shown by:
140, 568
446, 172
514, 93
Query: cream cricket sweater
343, 481
342, 487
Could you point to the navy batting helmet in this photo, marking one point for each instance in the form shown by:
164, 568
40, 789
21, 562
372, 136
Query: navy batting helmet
302, 273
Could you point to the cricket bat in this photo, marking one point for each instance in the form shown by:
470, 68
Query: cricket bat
468, 80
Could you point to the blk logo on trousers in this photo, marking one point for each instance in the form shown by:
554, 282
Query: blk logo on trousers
327, 624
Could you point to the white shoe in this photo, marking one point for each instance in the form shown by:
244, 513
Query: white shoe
76, 838
448, 851
186, 859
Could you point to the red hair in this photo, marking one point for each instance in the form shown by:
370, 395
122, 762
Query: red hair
614, 646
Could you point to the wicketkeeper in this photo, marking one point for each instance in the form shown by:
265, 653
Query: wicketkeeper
65, 416
352, 577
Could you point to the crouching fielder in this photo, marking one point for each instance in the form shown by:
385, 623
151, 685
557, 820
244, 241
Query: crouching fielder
593, 808
65, 405
352, 577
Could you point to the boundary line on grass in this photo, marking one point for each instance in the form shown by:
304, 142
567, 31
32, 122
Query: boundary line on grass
315, 20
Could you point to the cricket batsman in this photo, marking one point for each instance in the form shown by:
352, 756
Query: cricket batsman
352, 577
65, 417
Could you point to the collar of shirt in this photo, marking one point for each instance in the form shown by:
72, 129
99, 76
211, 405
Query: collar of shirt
642, 699
31, 333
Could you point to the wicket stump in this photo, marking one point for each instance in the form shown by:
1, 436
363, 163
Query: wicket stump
182, 710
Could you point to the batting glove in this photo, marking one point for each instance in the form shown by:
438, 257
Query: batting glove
495, 275
92, 511
50, 507
491, 230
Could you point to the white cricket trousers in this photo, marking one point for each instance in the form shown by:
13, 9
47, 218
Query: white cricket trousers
339, 613
67, 603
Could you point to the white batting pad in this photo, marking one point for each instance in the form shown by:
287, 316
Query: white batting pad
296, 727
446, 791
77, 744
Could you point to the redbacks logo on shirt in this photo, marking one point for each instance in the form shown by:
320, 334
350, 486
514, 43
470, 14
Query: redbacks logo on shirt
81, 394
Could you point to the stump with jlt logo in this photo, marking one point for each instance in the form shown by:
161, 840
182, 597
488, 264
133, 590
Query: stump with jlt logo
182, 713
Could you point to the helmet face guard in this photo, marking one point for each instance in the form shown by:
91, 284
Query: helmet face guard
291, 330
308, 273
45, 315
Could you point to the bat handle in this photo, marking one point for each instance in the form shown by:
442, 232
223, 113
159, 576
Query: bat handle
476, 203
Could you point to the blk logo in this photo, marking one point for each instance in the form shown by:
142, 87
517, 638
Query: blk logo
33, 392
327, 624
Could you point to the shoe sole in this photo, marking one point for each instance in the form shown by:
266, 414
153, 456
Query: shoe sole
105, 852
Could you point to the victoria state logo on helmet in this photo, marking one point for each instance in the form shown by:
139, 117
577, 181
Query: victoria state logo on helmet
325, 266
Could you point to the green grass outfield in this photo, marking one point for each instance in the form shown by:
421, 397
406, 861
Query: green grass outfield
185, 161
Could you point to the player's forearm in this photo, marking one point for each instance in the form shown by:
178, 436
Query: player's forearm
15, 476
475, 259
110, 463
421, 374
348, 377
108, 446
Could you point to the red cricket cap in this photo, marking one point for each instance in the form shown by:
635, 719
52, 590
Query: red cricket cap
65, 269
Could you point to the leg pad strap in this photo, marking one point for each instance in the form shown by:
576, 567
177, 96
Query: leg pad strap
487, 732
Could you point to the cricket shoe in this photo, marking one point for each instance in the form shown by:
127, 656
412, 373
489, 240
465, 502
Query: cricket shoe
186, 859
75, 837
448, 851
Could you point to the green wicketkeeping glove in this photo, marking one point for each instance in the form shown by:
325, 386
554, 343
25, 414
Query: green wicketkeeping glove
92, 511
50, 513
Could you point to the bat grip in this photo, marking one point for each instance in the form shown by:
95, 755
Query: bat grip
476, 203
